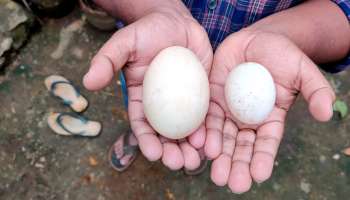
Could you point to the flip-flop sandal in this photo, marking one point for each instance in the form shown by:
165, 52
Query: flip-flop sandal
73, 124
63, 89
128, 150
131, 150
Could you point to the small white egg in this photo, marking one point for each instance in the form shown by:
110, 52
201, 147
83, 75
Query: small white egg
175, 93
250, 93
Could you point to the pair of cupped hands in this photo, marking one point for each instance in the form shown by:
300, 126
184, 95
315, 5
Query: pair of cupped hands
241, 153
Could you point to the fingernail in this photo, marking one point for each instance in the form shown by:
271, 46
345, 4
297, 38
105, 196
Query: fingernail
259, 181
89, 72
237, 192
85, 77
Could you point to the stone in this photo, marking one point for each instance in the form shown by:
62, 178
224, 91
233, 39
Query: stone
12, 14
5, 43
15, 23
305, 187
322, 158
336, 156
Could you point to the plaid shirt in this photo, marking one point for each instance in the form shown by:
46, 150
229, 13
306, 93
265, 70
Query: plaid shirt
223, 17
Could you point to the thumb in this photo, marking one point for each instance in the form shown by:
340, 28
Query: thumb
109, 59
316, 91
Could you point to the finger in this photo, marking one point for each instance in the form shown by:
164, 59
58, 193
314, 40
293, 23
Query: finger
225, 59
240, 180
109, 59
172, 156
266, 145
221, 166
220, 170
229, 137
214, 123
191, 156
149, 143
197, 139
316, 90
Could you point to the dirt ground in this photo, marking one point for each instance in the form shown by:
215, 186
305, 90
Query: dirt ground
37, 164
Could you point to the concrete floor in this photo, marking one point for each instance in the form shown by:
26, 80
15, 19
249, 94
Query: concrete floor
37, 164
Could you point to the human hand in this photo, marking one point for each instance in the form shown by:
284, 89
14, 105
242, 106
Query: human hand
132, 48
242, 152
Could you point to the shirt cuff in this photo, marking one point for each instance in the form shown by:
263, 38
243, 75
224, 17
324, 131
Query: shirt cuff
344, 5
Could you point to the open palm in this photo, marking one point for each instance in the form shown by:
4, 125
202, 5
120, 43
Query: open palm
241, 152
133, 48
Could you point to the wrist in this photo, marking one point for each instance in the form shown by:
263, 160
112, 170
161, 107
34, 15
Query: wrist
303, 36
130, 11
319, 28
254, 35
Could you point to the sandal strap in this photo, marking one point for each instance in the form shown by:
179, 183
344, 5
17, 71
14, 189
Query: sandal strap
127, 147
54, 85
130, 149
115, 160
124, 88
81, 118
127, 150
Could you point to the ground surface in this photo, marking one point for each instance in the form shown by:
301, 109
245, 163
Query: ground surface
37, 164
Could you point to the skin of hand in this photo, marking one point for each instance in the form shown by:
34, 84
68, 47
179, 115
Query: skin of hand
133, 48
243, 153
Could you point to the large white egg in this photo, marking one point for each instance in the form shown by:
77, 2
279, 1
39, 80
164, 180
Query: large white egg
250, 93
175, 93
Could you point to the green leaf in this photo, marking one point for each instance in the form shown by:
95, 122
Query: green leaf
341, 107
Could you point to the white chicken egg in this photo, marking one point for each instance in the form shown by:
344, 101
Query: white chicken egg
250, 93
175, 93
